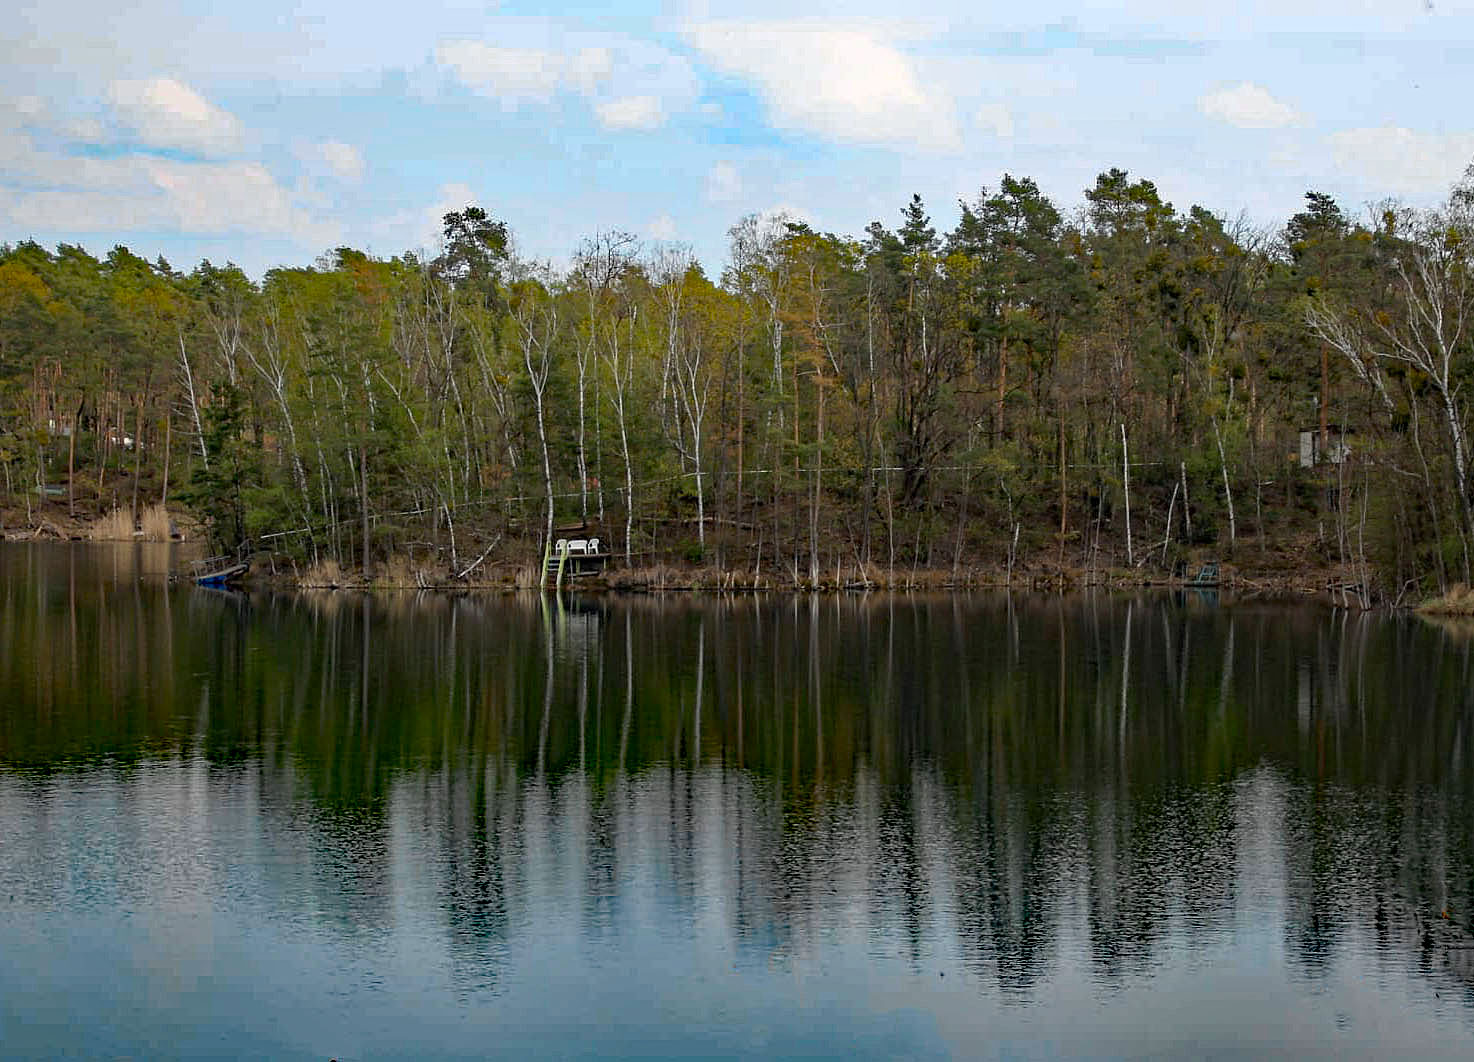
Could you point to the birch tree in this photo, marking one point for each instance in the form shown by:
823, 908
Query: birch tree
1427, 330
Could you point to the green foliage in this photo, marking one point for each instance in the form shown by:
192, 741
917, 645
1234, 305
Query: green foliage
229, 474
894, 396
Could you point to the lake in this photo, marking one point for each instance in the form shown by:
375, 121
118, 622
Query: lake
398, 826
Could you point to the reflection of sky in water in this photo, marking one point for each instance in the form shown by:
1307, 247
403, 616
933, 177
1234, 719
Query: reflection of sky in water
180, 909
880, 827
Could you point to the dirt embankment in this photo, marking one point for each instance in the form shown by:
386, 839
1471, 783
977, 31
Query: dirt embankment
58, 526
152, 524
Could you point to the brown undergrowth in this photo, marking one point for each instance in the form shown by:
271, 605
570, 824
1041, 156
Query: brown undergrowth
153, 525
403, 572
116, 526
1459, 601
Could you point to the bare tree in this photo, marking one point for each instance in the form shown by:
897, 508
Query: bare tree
600, 262
1433, 294
535, 314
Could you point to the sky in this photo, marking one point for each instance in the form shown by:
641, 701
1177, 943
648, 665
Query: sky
277, 131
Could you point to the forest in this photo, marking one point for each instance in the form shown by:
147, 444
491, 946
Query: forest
1116, 387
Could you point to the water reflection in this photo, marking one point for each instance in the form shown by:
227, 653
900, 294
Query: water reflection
1053, 801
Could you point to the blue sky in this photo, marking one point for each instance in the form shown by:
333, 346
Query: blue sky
275, 132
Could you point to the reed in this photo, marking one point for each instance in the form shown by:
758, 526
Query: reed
1459, 601
116, 526
527, 577
155, 524
399, 573
324, 575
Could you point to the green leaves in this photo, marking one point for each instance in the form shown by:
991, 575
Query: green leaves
218, 488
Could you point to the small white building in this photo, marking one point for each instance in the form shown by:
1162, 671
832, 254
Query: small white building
1312, 452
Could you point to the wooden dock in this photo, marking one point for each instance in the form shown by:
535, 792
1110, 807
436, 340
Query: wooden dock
218, 572
573, 558
1206, 579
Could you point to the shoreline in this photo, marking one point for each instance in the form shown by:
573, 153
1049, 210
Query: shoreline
700, 581
1277, 577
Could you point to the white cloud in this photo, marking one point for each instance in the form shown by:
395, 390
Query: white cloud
723, 183
220, 196
1248, 106
1401, 160
630, 83
344, 160
45, 192
838, 80
995, 118
84, 130
333, 158
662, 228
165, 113
524, 75
29, 107
151, 195
631, 112
39, 117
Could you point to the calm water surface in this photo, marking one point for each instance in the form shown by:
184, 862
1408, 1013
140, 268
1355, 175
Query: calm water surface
302, 826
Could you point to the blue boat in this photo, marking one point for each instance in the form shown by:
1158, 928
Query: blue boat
218, 571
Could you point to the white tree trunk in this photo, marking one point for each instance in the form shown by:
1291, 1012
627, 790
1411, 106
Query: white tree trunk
1126, 483
1227, 490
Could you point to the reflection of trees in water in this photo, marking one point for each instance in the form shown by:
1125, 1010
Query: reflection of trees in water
1388, 871
1009, 891
1018, 781
352, 883
473, 839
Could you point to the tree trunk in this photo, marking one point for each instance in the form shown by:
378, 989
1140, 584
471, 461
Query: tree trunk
194, 402
542, 437
629, 488
364, 500
1002, 388
1461, 474
583, 465
72, 461
1126, 484
168, 450
818, 486
1063, 500
102, 445
1167, 533
137, 451
1325, 397
1187, 516
1227, 490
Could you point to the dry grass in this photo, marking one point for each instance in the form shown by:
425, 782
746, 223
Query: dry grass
116, 526
398, 573
155, 523
845, 577
527, 577
662, 577
324, 575
1459, 601
401, 572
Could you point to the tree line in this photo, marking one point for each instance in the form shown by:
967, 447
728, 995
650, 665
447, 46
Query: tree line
1123, 386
